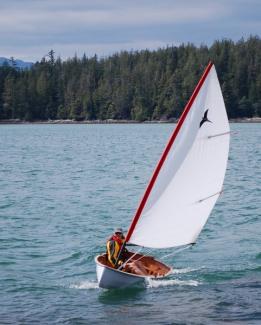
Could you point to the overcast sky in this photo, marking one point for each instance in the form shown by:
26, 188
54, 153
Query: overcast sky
30, 28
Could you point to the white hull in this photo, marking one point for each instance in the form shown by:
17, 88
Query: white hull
109, 278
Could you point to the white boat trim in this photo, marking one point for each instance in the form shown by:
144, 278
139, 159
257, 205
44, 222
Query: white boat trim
131, 274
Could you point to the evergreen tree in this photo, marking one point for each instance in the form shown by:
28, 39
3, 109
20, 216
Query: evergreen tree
245, 108
139, 85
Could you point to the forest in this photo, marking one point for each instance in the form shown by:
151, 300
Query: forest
141, 85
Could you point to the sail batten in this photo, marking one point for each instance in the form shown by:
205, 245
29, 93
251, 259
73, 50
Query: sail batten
218, 135
210, 196
190, 169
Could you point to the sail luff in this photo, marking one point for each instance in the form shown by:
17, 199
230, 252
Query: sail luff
166, 151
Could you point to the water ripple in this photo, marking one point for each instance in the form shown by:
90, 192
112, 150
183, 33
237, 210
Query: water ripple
63, 190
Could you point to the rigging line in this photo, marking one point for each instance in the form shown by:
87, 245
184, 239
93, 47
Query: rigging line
218, 135
177, 251
129, 259
143, 255
208, 197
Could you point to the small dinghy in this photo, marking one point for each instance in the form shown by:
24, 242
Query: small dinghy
183, 189
134, 272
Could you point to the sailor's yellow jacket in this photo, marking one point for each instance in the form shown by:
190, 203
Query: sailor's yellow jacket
113, 249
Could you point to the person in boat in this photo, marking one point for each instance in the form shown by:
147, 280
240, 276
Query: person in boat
115, 247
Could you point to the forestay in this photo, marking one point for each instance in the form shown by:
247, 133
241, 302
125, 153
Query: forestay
189, 176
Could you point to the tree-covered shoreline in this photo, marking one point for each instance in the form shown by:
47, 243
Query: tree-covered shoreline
141, 85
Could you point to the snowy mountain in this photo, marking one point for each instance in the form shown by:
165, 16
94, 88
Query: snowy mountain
19, 64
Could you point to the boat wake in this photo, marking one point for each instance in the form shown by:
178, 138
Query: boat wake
182, 271
85, 285
165, 283
150, 283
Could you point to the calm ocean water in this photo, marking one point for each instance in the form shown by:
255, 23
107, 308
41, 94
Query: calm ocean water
64, 188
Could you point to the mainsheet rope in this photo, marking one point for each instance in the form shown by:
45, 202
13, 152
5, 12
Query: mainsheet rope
177, 251
144, 255
130, 258
147, 251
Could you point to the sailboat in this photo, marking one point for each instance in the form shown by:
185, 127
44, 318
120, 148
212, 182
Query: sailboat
183, 189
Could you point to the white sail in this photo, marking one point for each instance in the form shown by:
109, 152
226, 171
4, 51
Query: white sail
188, 180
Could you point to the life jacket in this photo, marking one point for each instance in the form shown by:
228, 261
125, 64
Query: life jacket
114, 245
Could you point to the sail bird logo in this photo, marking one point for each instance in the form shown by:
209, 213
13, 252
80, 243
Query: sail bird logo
204, 119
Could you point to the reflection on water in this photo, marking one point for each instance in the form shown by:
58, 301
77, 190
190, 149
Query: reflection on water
118, 296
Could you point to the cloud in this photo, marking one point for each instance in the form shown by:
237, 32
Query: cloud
112, 25
30, 19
